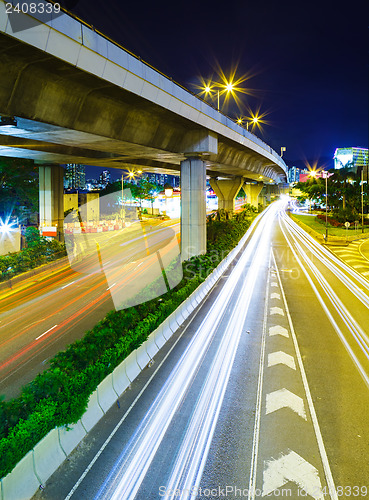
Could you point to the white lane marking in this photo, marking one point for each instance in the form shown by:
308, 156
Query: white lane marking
314, 418
65, 286
274, 284
47, 331
283, 398
278, 330
281, 358
292, 467
111, 286
275, 296
276, 310
255, 441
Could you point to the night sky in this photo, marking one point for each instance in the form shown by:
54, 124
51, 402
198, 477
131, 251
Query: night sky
306, 63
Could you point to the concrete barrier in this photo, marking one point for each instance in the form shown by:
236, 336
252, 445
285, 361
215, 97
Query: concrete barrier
120, 378
173, 324
48, 455
106, 394
70, 437
151, 347
93, 413
22, 482
159, 336
167, 331
181, 314
132, 367
143, 359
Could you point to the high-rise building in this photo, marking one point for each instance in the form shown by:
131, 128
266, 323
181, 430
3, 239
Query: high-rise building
105, 177
293, 174
354, 158
74, 176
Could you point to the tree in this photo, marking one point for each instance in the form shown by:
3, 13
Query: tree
18, 188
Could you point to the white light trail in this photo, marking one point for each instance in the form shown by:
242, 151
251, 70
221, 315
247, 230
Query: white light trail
127, 475
353, 327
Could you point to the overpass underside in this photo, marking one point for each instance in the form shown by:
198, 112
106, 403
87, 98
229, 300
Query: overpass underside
66, 115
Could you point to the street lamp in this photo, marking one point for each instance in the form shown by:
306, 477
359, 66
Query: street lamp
254, 121
168, 191
326, 175
222, 88
362, 200
123, 214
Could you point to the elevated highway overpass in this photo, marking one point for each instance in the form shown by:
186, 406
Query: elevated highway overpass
70, 95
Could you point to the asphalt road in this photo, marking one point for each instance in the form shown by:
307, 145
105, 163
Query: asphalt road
263, 392
43, 314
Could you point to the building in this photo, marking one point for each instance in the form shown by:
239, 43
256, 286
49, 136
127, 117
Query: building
74, 176
105, 177
354, 158
293, 175
162, 179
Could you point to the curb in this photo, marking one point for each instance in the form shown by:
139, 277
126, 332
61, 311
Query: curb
44, 459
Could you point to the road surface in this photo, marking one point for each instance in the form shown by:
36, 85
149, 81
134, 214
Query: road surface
262, 393
42, 315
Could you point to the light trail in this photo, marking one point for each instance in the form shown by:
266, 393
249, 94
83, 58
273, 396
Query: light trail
129, 471
357, 333
193, 453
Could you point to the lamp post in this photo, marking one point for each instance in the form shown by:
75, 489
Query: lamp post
123, 214
362, 200
326, 175
168, 191
227, 88
254, 121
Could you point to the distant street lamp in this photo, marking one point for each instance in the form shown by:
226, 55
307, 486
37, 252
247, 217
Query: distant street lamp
168, 191
282, 149
362, 200
254, 121
123, 214
326, 175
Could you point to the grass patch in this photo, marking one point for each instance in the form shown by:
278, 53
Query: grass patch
318, 225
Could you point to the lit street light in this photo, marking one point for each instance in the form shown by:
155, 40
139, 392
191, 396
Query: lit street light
252, 122
221, 88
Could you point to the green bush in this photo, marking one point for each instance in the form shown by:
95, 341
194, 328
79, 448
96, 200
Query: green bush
39, 251
59, 396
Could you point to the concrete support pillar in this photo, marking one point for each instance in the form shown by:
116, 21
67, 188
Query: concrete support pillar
226, 191
268, 193
51, 197
252, 193
193, 208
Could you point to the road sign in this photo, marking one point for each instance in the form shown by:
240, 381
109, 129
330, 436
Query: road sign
347, 224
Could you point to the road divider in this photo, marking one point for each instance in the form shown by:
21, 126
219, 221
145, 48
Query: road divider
106, 394
93, 413
71, 436
22, 482
48, 455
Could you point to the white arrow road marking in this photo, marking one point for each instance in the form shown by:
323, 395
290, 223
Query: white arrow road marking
283, 398
275, 296
281, 358
278, 330
276, 310
292, 467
